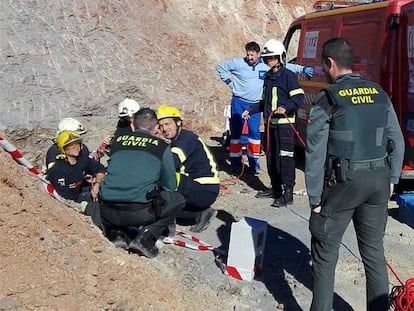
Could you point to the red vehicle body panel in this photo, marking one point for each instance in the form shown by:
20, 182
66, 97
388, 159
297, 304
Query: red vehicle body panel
382, 34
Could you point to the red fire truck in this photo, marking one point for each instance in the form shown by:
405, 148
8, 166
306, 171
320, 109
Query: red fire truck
382, 34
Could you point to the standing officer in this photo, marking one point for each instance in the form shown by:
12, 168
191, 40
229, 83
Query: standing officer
282, 96
139, 188
354, 152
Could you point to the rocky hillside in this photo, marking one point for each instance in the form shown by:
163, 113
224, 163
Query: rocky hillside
80, 58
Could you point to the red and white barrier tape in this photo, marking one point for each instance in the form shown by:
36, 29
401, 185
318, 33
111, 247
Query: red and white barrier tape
220, 255
18, 156
201, 245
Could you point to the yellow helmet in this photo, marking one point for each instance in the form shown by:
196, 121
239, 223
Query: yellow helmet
66, 138
165, 111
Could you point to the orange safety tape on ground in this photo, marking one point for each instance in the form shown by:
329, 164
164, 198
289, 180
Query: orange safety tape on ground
18, 156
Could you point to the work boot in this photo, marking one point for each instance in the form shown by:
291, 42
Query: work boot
203, 220
144, 244
236, 165
285, 199
254, 165
170, 230
264, 194
119, 238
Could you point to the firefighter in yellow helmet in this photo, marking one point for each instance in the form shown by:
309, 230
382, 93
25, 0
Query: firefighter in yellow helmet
68, 171
197, 173
66, 124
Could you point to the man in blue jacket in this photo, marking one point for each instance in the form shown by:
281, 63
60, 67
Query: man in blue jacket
245, 78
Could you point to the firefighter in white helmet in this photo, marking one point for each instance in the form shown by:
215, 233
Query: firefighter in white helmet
126, 113
66, 124
70, 124
282, 95
127, 110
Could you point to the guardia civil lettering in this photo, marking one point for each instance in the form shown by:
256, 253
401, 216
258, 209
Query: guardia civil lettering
130, 140
360, 95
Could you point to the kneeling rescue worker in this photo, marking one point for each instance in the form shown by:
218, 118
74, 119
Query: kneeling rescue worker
197, 173
139, 188
67, 173
66, 124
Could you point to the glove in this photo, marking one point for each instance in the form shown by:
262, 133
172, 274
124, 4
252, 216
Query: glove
308, 71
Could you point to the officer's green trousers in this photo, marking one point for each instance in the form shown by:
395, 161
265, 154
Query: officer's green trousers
118, 215
362, 198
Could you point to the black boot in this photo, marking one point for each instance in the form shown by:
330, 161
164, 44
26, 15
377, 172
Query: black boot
144, 244
203, 220
119, 238
288, 194
268, 193
285, 199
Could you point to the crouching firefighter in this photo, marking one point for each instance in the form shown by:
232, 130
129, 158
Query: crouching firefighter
196, 169
139, 189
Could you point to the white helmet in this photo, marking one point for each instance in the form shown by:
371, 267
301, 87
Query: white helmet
274, 47
127, 108
70, 124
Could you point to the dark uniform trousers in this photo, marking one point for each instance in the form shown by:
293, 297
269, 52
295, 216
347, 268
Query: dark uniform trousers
120, 215
198, 197
280, 160
362, 198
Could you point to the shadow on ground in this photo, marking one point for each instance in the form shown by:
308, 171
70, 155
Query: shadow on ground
286, 264
222, 159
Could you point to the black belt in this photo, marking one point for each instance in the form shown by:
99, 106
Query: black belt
366, 165
126, 206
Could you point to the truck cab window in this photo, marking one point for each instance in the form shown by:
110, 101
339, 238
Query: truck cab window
292, 45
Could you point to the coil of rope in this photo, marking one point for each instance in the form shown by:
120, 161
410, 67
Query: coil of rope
402, 296
299, 137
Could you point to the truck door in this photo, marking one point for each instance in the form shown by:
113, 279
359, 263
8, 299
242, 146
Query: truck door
405, 107
303, 43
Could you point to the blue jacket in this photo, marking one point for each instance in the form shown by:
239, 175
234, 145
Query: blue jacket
247, 81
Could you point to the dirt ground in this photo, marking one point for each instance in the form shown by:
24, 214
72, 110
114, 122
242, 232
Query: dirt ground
53, 258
